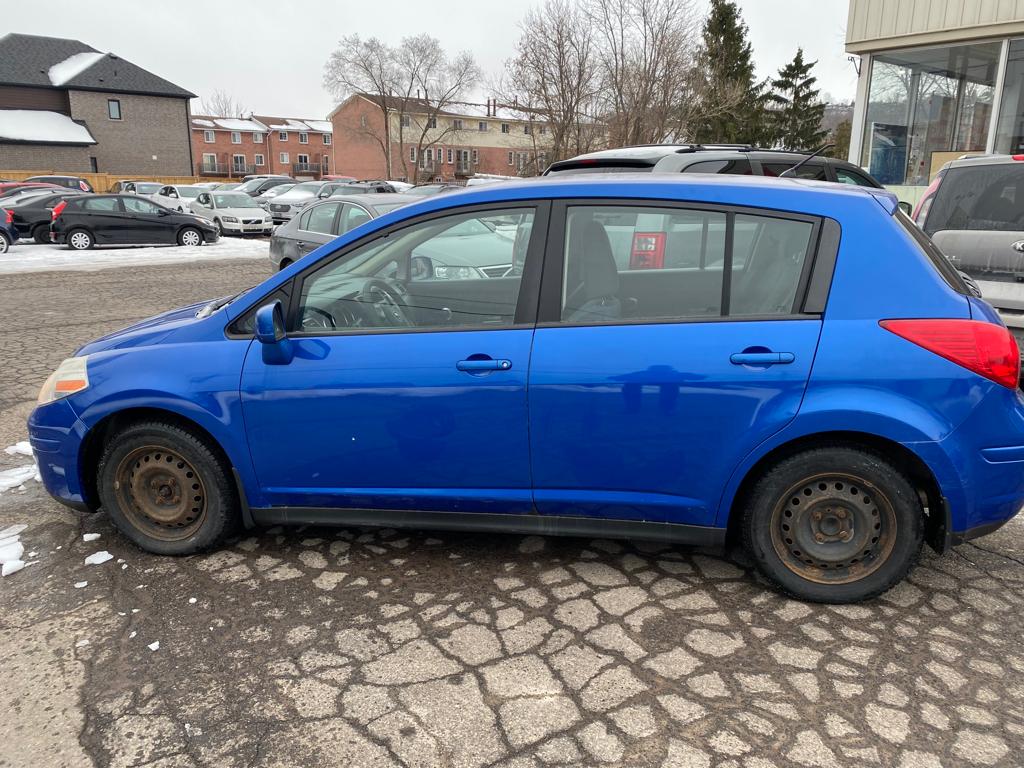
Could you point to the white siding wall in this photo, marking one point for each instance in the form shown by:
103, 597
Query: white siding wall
879, 24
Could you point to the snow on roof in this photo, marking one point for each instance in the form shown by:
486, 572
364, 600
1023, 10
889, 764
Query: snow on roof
319, 125
202, 123
231, 124
42, 127
73, 66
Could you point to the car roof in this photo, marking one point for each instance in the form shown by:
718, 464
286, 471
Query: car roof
371, 201
962, 162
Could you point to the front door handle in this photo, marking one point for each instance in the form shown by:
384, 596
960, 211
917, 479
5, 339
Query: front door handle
762, 358
478, 365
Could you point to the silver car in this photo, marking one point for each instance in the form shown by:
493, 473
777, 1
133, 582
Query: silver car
286, 205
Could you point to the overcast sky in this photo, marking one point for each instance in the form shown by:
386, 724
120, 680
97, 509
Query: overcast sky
270, 53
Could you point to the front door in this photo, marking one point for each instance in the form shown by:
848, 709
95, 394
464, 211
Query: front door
149, 222
671, 344
407, 387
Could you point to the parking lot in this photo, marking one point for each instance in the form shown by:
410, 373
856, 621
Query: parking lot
359, 647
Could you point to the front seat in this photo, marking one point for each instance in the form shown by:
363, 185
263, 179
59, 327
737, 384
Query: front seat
592, 279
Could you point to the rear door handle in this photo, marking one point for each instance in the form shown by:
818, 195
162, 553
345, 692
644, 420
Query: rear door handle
762, 358
486, 364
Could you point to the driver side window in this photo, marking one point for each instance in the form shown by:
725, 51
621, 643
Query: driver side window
138, 205
456, 271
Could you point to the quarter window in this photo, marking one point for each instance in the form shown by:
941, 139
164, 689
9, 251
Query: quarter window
627, 263
846, 176
320, 218
351, 218
457, 271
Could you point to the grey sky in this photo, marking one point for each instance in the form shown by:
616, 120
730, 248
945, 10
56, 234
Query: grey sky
270, 53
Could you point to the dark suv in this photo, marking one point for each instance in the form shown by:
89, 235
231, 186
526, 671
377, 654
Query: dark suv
740, 159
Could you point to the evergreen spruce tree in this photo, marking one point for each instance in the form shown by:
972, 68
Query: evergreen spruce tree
735, 101
796, 110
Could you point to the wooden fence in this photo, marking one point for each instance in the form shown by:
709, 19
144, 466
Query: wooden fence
102, 182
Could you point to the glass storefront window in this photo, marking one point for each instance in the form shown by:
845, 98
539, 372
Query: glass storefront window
1010, 128
924, 103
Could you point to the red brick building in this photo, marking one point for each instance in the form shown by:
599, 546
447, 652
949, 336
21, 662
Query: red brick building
460, 142
225, 147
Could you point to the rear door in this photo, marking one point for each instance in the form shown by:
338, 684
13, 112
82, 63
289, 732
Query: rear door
317, 225
107, 219
672, 340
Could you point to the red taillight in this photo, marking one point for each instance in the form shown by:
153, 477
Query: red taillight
988, 350
648, 251
925, 203
9, 215
1017, 157
58, 209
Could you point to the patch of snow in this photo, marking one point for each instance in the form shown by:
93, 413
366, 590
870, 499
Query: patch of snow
320, 125
32, 257
12, 566
20, 448
37, 125
73, 66
154, 646
81, 644
202, 123
12, 552
98, 558
90, 536
13, 530
80, 584
12, 478
232, 124
132, 634
191, 601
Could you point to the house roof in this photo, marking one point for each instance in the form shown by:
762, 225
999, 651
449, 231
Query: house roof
293, 124
55, 62
259, 123
33, 126
467, 109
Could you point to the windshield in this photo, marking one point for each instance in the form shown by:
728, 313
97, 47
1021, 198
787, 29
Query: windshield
189, 191
280, 189
226, 187
235, 200
249, 186
308, 189
144, 188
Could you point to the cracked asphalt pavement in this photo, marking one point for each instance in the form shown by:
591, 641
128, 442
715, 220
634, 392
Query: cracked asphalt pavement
367, 647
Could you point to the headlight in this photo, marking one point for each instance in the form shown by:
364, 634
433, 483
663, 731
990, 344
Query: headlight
71, 376
230, 219
445, 272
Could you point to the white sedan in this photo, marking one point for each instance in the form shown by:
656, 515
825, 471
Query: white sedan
233, 212
177, 197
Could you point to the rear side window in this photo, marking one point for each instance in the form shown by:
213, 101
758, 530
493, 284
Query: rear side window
100, 204
807, 171
739, 166
846, 176
935, 256
980, 197
629, 263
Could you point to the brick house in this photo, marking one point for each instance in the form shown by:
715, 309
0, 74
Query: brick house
66, 107
460, 142
234, 147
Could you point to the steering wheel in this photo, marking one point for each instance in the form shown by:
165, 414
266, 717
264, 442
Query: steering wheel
384, 303
316, 319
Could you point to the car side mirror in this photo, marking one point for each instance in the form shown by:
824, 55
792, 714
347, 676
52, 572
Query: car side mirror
421, 268
906, 207
270, 333
162, 212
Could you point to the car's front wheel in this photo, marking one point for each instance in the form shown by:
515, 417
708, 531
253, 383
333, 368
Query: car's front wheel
5, 243
190, 236
166, 489
833, 525
80, 240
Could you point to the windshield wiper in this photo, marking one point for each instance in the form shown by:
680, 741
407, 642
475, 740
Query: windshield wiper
216, 304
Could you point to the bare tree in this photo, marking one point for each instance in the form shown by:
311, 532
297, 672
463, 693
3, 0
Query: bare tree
646, 57
553, 79
413, 83
221, 104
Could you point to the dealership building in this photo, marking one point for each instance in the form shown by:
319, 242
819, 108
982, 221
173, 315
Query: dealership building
937, 80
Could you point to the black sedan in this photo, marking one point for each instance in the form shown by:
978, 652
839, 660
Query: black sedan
321, 222
32, 215
86, 220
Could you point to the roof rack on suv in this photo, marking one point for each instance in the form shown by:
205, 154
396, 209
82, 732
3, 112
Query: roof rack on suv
701, 147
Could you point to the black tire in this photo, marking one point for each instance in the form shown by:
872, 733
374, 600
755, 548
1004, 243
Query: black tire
833, 525
80, 236
220, 228
41, 233
167, 490
188, 232
5, 243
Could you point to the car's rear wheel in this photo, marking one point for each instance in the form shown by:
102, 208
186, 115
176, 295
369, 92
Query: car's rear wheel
190, 236
5, 243
80, 240
166, 489
41, 233
833, 525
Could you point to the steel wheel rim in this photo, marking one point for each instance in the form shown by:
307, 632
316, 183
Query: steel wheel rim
160, 493
80, 241
833, 528
190, 237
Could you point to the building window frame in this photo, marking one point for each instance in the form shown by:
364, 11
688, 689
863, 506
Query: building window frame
257, 137
432, 122
238, 166
282, 135
412, 154
450, 155
209, 160
506, 128
457, 124
236, 137
327, 139
303, 137
259, 161
483, 126
114, 109
282, 158
210, 137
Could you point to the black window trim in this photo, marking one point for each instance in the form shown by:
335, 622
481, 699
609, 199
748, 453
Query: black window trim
526, 306
309, 213
549, 315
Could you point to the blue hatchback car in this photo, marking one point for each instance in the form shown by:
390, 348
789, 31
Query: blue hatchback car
685, 358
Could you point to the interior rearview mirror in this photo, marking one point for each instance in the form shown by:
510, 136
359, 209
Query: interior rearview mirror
270, 332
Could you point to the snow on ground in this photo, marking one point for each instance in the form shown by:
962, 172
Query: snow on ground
16, 476
73, 66
20, 448
26, 256
98, 558
11, 550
